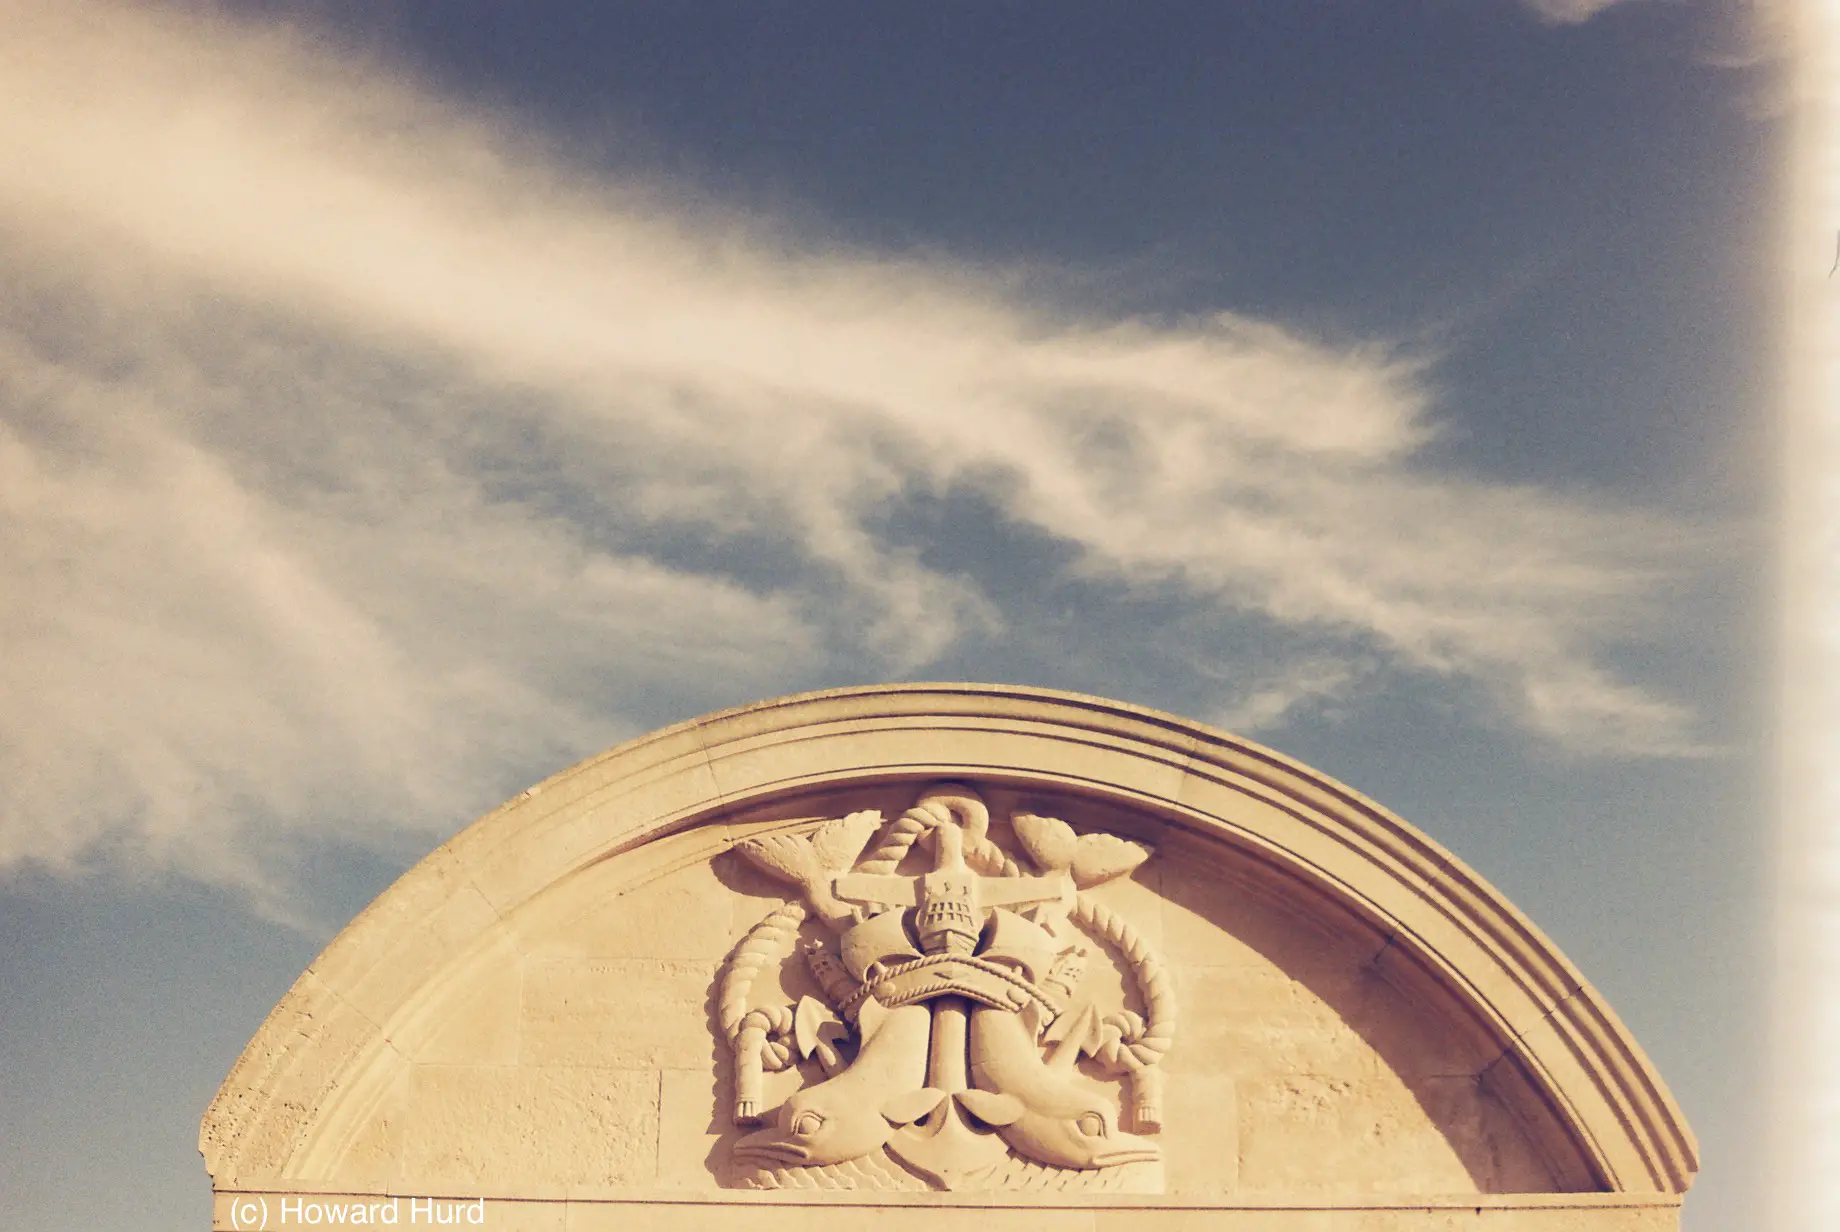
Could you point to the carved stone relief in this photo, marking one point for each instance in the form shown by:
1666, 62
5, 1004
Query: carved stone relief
954, 1045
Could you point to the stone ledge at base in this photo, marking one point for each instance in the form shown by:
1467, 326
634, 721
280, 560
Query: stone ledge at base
846, 1212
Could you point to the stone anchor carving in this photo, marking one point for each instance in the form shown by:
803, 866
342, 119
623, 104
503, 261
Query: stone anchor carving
960, 991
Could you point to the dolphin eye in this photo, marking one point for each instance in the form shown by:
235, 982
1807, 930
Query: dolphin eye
807, 1123
1091, 1124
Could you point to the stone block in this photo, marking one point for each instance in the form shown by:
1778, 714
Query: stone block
473, 1126
377, 964
1212, 1220
1305, 1135
691, 1122
509, 1215
1591, 1218
1220, 910
561, 825
1255, 1022
618, 1013
473, 1021
273, 1102
677, 914
1407, 1219
818, 1217
371, 1159
1201, 1147
1413, 1019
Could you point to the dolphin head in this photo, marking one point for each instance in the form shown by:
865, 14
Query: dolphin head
812, 1130
1086, 1138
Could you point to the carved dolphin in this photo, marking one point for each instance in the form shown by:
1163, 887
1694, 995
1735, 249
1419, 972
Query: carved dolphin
841, 1117
1041, 1108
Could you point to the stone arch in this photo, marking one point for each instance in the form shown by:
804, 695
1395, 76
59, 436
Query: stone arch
300, 1109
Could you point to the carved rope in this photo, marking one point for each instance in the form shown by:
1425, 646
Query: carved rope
1139, 1043
768, 941
758, 1036
988, 858
930, 811
1131, 1043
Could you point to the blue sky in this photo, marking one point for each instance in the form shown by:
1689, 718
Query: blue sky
399, 402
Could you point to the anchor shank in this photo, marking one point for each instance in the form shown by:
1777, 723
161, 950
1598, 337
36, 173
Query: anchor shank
947, 1067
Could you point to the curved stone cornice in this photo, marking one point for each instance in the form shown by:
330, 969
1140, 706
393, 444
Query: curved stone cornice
1558, 1036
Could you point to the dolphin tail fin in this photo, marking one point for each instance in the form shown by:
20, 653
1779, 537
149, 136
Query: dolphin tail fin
837, 844
786, 856
1049, 841
809, 861
1097, 858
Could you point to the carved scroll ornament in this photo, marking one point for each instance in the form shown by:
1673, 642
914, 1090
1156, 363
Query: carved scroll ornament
947, 1043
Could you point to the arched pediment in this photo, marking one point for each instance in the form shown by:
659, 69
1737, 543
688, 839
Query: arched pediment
1304, 995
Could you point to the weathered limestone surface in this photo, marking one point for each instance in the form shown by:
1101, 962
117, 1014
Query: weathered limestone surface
1347, 1031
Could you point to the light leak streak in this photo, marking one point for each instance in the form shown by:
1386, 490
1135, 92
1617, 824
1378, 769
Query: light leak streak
1806, 1118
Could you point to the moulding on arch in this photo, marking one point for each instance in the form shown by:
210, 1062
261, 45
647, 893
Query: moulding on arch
1561, 1044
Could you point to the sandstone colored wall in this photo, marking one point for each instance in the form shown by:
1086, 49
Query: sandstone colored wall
562, 1058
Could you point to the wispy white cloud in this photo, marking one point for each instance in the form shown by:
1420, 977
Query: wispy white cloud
358, 448
1569, 12
1305, 682
194, 655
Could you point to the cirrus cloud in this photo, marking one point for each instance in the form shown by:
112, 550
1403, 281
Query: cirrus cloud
360, 453
1568, 12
